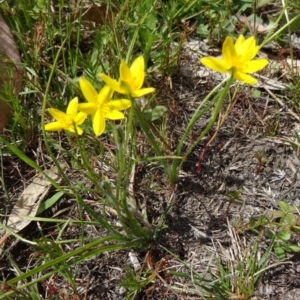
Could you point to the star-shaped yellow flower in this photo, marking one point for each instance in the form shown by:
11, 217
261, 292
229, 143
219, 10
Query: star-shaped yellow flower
238, 59
131, 79
67, 121
100, 105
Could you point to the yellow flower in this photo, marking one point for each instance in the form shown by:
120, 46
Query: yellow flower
131, 79
100, 106
67, 121
238, 59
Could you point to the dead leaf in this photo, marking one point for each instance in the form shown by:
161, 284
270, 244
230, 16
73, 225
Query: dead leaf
29, 201
10, 71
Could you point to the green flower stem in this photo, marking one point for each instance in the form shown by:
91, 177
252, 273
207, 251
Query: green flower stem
201, 109
44, 104
276, 34
214, 116
130, 218
124, 170
150, 137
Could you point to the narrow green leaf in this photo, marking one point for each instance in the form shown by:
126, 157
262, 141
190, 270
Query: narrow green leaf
21, 155
296, 229
49, 202
292, 248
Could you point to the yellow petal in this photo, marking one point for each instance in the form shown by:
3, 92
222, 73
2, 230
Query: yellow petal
125, 73
142, 92
105, 94
80, 117
248, 49
256, 65
71, 129
228, 50
88, 108
128, 87
137, 66
88, 91
54, 126
244, 77
98, 122
120, 104
114, 84
139, 80
137, 70
114, 115
72, 108
216, 64
79, 130
57, 114
239, 42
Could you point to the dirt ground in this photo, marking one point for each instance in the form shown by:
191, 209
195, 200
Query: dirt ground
200, 224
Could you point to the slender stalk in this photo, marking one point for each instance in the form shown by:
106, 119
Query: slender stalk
201, 109
277, 33
214, 116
